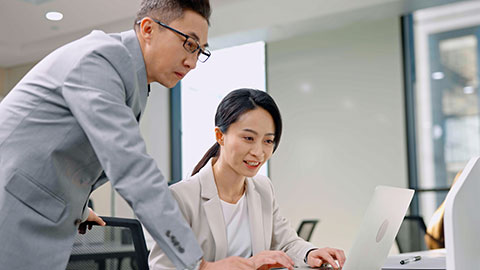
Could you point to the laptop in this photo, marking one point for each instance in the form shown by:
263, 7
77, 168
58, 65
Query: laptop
462, 219
378, 229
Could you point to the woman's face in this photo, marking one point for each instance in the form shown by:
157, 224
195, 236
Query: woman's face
248, 143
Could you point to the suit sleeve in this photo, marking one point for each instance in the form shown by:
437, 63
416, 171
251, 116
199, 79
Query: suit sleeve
284, 236
96, 92
157, 259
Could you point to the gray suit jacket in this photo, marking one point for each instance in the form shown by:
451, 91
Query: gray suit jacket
73, 116
201, 206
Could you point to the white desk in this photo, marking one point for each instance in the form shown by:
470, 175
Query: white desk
431, 259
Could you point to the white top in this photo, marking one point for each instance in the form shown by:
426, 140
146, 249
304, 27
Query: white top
238, 228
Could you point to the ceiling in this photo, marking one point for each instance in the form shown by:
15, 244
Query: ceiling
26, 36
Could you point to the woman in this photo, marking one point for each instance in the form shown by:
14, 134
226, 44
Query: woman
230, 208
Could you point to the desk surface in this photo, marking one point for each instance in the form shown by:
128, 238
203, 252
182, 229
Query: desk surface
431, 259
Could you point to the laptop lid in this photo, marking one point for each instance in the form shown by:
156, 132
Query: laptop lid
379, 227
462, 219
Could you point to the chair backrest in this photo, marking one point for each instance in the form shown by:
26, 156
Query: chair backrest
305, 230
118, 245
411, 236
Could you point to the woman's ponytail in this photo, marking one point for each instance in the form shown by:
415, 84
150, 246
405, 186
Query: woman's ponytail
212, 152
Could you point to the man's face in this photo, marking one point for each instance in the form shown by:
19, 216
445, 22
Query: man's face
166, 60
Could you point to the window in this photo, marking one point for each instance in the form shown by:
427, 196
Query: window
443, 88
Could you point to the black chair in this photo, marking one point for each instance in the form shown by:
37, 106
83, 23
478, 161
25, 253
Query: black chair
411, 236
119, 245
305, 230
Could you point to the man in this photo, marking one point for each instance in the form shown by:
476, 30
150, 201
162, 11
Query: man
71, 123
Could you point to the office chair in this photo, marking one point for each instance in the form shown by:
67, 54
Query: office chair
119, 245
305, 230
411, 236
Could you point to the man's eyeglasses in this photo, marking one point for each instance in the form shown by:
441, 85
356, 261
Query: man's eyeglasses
190, 44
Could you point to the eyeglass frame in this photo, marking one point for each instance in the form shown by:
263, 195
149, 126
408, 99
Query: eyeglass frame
205, 52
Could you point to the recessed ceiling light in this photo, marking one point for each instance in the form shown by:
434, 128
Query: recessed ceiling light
438, 75
468, 90
54, 16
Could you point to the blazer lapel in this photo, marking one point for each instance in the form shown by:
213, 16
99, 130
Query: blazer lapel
213, 211
255, 216
130, 40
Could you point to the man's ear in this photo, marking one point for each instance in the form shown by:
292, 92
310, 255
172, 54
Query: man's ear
145, 28
219, 136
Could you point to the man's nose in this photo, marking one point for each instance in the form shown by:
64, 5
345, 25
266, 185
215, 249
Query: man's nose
191, 60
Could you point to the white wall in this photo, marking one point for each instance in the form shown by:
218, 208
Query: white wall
3, 90
10, 76
341, 97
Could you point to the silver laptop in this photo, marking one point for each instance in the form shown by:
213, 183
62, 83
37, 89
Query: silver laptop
378, 229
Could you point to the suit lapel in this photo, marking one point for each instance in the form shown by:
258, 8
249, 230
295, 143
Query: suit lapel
255, 216
213, 211
130, 40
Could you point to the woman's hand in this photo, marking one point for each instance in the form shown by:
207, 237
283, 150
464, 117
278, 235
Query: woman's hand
92, 216
320, 256
271, 258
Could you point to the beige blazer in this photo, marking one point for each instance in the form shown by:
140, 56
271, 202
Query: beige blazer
201, 207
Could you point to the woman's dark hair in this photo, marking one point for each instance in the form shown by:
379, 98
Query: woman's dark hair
232, 107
